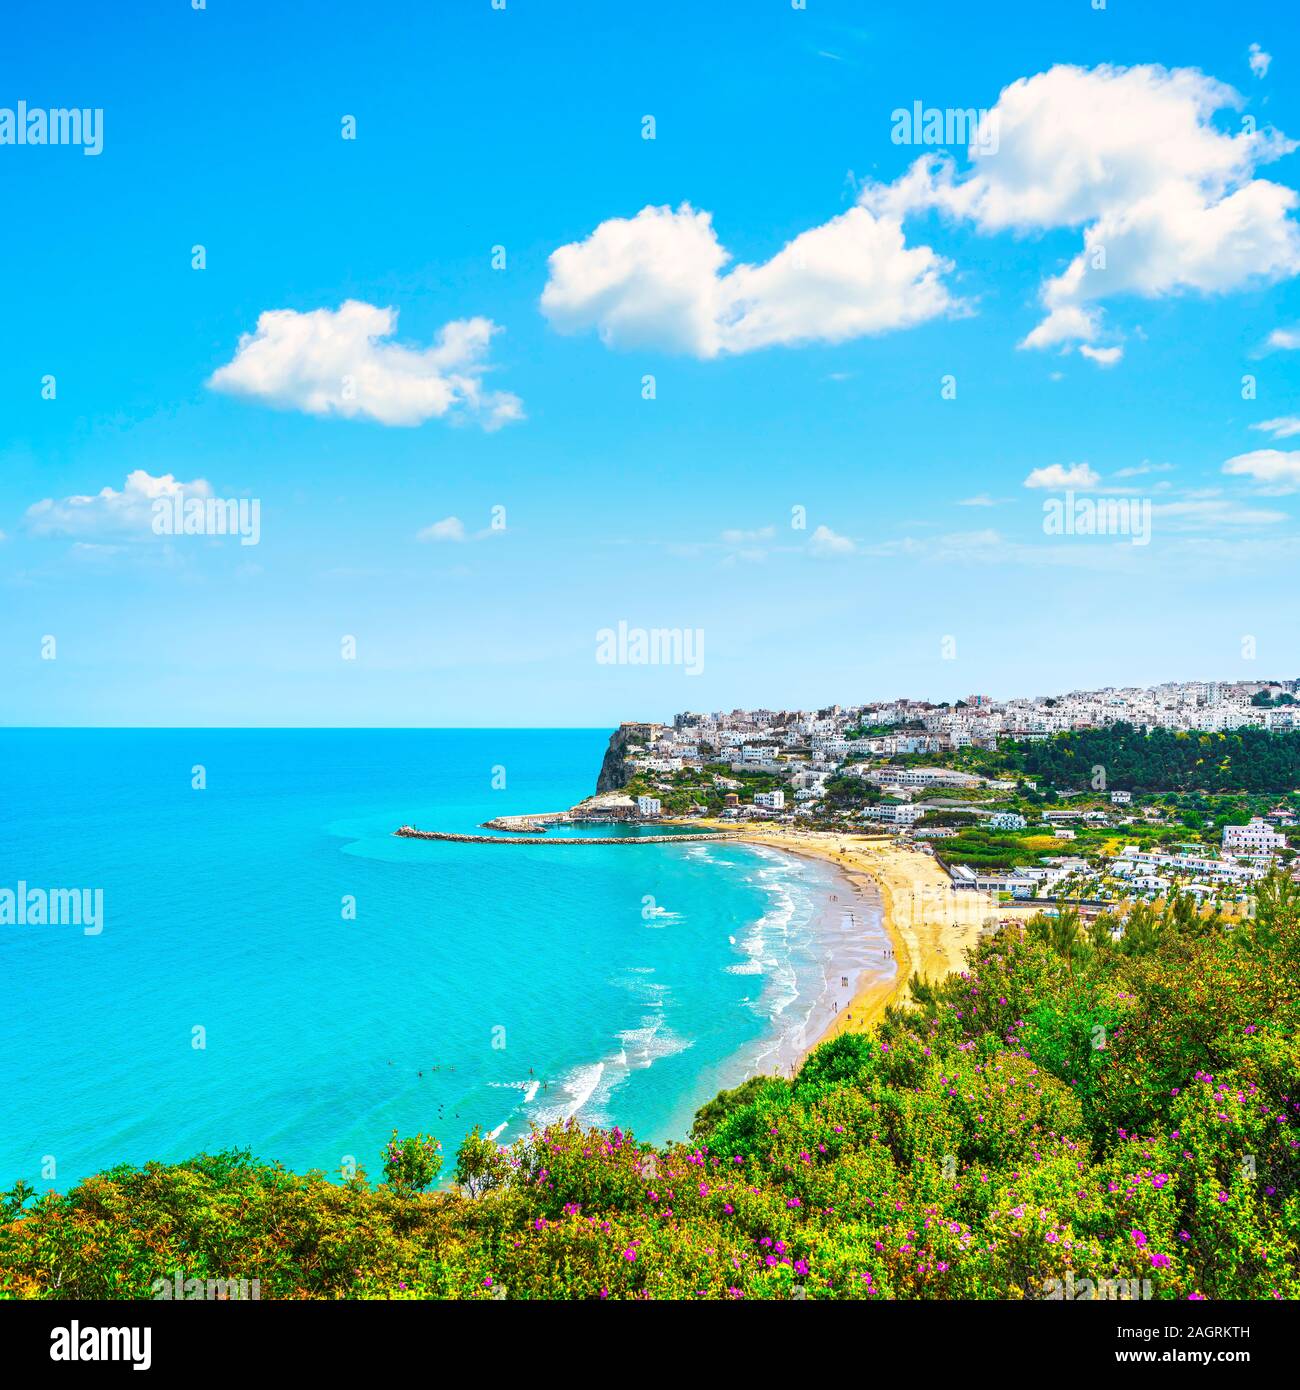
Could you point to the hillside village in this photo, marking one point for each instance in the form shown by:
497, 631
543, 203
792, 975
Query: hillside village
1104, 796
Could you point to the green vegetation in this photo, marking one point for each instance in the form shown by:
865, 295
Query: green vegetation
1002, 849
947, 816
679, 792
850, 794
411, 1165
1070, 1111
1245, 760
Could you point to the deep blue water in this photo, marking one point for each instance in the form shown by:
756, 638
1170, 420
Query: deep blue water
475, 985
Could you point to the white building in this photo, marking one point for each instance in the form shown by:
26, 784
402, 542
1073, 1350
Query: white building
1257, 837
1007, 820
648, 807
924, 777
1121, 798
770, 801
900, 813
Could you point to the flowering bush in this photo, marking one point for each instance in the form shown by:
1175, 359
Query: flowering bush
411, 1165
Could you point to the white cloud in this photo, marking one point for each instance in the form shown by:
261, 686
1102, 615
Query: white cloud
824, 543
1282, 427
1212, 512
990, 547
1259, 60
1079, 475
1141, 469
734, 537
981, 500
657, 280
110, 512
1286, 339
450, 528
1168, 202
335, 362
651, 280
1276, 470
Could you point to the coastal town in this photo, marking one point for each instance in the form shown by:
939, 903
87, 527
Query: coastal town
1100, 797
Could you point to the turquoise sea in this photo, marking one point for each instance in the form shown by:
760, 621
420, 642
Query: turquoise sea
473, 984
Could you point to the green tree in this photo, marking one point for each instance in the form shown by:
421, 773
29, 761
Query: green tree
479, 1165
412, 1164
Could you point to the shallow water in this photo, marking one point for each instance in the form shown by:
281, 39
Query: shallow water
232, 1000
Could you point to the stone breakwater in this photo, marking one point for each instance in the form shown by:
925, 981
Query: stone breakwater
409, 832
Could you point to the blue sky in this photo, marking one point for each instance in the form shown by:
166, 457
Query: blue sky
814, 382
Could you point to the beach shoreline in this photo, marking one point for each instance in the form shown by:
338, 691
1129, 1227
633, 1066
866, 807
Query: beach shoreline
931, 925
854, 947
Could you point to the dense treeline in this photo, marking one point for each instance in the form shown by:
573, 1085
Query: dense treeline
1245, 760
1075, 1115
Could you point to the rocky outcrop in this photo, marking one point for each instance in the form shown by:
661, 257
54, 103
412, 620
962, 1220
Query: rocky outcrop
614, 773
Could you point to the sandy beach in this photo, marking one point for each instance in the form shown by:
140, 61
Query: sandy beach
931, 926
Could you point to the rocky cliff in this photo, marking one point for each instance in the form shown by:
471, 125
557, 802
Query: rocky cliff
614, 772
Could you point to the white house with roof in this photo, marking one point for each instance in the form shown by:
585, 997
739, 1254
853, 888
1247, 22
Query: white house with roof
1255, 837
